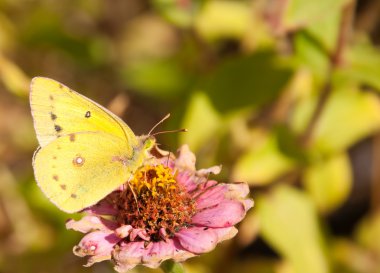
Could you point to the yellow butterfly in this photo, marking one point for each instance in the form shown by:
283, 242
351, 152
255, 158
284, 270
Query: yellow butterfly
85, 151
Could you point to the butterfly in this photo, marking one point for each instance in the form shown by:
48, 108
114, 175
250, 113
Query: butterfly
85, 151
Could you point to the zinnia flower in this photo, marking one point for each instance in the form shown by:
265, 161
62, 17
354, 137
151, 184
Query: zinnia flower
168, 210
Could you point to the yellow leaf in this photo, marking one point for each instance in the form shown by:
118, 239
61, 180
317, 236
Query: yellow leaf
329, 182
288, 222
262, 164
201, 120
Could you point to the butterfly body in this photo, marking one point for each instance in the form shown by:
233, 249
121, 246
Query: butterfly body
85, 151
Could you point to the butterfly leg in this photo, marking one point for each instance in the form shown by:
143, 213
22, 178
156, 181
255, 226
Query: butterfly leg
167, 161
133, 192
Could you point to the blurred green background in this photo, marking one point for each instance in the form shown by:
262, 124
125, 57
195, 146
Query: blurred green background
283, 94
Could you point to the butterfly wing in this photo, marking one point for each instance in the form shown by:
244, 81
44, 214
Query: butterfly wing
77, 170
57, 110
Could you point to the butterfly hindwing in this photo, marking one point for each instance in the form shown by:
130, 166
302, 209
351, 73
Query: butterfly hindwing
77, 170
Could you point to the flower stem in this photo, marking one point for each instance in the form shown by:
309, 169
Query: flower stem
170, 266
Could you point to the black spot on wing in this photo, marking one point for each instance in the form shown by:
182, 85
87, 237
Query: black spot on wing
57, 128
55, 177
88, 114
72, 137
73, 195
51, 97
53, 116
63, 186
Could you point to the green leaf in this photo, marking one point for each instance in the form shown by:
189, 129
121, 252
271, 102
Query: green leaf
311, 55
159, 78
362, 64
263, 163
300, 13
87, 50
326, 30
180, 13
239, 82
172, 267
201, 120
223, 19
329, 182
288, 221
348, 116
288, 143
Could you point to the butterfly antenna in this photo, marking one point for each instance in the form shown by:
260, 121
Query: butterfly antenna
158, 123
170, 131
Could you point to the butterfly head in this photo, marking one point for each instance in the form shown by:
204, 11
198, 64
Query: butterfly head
148, 143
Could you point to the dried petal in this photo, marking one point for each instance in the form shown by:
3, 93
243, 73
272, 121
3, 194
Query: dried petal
139, 233
208, 171
129, 255
186, 159
225, 233
124, 231
98, 244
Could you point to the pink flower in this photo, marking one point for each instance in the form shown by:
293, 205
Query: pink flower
167, 211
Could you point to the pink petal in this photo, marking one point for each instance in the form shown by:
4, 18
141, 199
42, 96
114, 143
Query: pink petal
225, 214
180, 253
102, 208
205, 185
98, 244
211, 197
197, 239
215, 195
89, 223
187, 180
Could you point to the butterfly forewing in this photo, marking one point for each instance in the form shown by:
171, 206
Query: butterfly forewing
57, 110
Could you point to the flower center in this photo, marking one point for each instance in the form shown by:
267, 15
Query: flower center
154, 201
